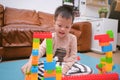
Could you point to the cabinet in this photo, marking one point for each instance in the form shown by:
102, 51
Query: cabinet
101, 26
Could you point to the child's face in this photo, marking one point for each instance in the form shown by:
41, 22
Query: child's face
62, 26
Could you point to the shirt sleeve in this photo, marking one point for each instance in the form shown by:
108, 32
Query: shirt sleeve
42, 48
72, 57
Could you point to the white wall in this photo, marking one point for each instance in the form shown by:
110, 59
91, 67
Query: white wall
48, 6
39, 5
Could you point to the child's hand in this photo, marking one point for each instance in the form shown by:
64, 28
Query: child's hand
26, 67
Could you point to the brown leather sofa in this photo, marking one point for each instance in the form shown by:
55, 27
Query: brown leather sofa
17, 26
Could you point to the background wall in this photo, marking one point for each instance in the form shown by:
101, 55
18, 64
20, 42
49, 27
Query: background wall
49, 6
39, 5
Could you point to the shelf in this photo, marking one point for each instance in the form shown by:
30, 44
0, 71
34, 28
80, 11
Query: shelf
99, 3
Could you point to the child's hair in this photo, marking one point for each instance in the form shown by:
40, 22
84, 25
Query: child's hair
65, 11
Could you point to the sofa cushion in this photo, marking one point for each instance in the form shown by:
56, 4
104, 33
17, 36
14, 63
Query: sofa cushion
20, 35
18, 16
46, 18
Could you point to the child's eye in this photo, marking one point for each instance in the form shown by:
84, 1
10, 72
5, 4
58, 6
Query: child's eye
59, 26
67, 27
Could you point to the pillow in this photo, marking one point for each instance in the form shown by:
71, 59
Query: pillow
20, 16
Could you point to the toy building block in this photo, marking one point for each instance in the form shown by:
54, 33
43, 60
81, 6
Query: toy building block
58, 73
107, 48
50, 78
34, 73
102, 38
49, 57
110, 33
49, 65
35, 52
51, 74
109, 54
109, 76
104, 43
49, 47
42, 35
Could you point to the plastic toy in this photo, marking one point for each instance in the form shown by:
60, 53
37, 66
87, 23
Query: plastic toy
109, 76
106, 63
52, 72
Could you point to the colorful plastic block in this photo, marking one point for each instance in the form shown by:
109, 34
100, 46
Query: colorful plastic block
107, 48
109, 54
42, 35
52, 74
49, 65
50, 78
110, 76
35, 52
110, 33
102, 38
49, 47
49, 57
104, 43
35, 45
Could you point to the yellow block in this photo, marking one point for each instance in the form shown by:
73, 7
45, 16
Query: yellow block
109, 67
49, 57
35, 45
58, 76
34, 76
109, 54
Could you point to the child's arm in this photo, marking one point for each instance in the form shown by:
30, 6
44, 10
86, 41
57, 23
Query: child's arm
26, 67
70, 59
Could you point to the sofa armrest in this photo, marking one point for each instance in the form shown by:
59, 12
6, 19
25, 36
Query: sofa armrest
84, 40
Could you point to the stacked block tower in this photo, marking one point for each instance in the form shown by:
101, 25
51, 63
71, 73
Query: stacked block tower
51, 71
106, 63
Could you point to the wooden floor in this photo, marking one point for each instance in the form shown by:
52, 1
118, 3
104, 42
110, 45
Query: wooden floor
116, 55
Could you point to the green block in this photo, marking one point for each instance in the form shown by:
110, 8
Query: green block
49, 71
49, 46
110, 33
109, 60
37, 40
103, 59
100, 65
58, 69
42, 78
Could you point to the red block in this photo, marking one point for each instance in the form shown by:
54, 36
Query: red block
103, 38
109, 76
42, 35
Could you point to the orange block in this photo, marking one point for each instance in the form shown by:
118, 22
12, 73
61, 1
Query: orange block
52, 74
27, 77
34, 76
104, 43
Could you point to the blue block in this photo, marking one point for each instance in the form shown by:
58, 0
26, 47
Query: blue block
107, 48
35, 52
50, 78
50, 65
34, 69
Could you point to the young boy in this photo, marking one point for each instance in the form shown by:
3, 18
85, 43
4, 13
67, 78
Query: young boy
64, 44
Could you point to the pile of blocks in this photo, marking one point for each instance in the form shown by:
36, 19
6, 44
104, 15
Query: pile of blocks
106, 63
51, 71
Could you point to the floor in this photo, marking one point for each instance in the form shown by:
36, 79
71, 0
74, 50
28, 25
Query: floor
116, 55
